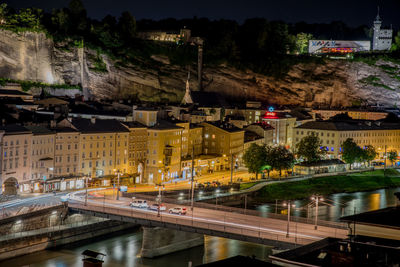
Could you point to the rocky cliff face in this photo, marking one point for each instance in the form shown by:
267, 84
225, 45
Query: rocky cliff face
34, 57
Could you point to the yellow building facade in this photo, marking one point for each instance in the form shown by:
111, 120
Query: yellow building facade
222, 139
137, 150
333, 134
164, 143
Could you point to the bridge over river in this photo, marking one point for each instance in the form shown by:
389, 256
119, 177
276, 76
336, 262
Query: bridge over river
208, 221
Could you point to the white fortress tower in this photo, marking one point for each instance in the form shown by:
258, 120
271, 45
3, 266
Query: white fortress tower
382, 38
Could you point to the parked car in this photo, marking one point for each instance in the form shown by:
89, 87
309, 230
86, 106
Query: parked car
139, 204
155, 207
177, 210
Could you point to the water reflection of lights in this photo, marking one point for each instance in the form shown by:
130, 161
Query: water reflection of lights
374, 201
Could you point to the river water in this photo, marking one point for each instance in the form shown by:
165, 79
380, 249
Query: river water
337, 205
123, 250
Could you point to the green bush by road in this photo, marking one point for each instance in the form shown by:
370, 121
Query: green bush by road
329, 185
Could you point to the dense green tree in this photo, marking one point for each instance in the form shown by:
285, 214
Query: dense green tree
3, 13
392, 156
280, 159
127, 26
26, 18
302, 42
61, 21
254, 158
107, 34
78, 15
351, 152
309, 148
396, 43
369, 153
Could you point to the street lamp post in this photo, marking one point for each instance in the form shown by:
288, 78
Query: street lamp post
159, 198
118, 175
231, 168
316, 198
86, 194
245, 203
288, 219
192, 185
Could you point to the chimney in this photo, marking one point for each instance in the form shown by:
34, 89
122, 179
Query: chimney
93, 120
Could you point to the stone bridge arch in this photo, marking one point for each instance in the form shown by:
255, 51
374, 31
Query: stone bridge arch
10, 186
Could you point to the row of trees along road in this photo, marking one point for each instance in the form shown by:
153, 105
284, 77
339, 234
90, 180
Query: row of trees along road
258, 158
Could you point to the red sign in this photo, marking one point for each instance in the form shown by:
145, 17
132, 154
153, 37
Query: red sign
270, 115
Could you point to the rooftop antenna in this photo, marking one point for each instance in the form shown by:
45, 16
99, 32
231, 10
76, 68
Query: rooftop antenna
378, 18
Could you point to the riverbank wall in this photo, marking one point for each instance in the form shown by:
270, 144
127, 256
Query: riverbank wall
50, 228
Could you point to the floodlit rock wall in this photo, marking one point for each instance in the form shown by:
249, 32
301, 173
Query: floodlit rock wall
34, 57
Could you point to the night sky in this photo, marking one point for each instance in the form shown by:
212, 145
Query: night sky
353, 13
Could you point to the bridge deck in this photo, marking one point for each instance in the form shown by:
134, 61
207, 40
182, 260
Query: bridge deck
212, 222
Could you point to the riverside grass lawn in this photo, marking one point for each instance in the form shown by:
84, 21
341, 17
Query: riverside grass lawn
353, 182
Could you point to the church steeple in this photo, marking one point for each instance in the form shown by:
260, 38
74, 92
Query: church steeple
187, 99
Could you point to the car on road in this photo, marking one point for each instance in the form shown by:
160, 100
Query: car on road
65, 198
157, 206
177, 210
139, 203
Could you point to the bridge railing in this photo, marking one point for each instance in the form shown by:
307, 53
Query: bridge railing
6, 213
243, 211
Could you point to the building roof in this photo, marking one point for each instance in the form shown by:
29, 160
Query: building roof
353, 125
356, 251
388, 217
15, 101
263, 124
250, 136
64, 130
194, 126
235, 118
51, 101
238, 261
13, 92
98, 125
224, 126
300, 114
324, 162
164, 125
133, 124
14, 129
39, 130
145, 109
276, 115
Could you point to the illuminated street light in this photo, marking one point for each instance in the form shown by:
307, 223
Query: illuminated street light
316, 198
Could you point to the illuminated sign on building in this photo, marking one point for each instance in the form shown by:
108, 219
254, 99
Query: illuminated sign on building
335, 46
270, 114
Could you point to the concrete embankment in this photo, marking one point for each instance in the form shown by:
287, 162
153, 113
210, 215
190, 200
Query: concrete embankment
18, 246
